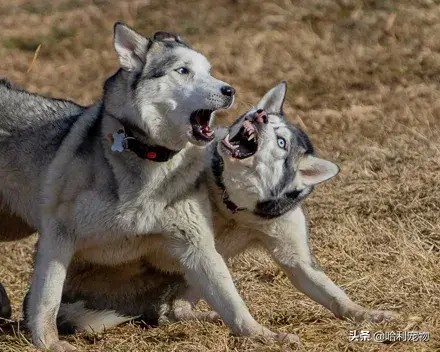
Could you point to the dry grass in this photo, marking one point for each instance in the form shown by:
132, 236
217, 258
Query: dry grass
363, 82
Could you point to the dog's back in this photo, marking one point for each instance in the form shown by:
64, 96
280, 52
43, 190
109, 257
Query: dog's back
27, 118
32, 127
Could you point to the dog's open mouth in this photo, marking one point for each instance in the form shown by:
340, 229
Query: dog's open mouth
199, 120
242, 141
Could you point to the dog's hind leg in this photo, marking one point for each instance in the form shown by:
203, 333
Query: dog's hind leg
5, 304
288, 244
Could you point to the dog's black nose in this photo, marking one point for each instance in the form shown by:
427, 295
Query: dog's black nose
228, 91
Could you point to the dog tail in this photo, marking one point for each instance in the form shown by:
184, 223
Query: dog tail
75, 316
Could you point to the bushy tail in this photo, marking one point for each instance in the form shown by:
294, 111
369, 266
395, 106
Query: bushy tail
76, 317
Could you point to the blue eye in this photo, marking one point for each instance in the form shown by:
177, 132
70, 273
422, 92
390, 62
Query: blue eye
182, 70
282, 143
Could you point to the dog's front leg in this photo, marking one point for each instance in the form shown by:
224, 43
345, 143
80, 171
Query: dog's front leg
287, 242
54, 252
191, 241
229, 244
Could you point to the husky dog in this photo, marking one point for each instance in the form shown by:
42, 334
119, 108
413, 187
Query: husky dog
95, 181
258, 174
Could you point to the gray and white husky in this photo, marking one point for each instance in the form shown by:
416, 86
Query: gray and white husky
95, 181
258, 173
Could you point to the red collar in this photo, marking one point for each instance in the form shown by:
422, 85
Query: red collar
150, 152
144, 151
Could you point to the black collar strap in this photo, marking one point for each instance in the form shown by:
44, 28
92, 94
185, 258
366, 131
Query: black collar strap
144, 151
217, 170
230, 204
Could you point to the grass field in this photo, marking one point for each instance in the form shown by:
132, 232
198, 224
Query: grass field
364, 82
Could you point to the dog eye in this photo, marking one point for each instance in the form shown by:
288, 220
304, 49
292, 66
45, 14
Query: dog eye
282, 143
182, 70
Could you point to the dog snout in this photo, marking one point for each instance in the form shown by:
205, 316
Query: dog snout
227, 91
221, 95
260, 116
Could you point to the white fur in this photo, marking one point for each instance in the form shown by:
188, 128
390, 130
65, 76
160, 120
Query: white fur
93, 321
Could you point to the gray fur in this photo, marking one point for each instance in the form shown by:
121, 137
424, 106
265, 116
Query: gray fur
59, 174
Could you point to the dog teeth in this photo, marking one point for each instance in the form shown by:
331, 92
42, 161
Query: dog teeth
249, 130
248, 127
251, 137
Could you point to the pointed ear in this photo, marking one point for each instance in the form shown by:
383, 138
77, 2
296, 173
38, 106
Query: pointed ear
168, 37
313, 170
273, 100
130, 46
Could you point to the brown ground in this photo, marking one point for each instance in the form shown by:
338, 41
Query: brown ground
363, 82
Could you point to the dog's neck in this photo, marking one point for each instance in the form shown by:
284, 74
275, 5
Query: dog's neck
138, 178
217, 168
129, 137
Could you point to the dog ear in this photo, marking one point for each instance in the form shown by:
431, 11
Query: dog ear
273, 100
313, 170
168, 37
130, 46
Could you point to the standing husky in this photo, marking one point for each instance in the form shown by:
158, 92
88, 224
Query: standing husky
94, 181
257, 176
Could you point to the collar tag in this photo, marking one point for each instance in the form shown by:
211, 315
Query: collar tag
119, 141
123, 140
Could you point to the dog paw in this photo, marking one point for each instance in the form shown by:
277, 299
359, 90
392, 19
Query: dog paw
380, 316
211, 316
61, 346
281, 337
287, 338
188, 314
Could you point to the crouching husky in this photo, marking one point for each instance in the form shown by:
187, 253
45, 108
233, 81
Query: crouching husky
95, 181
258, 174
